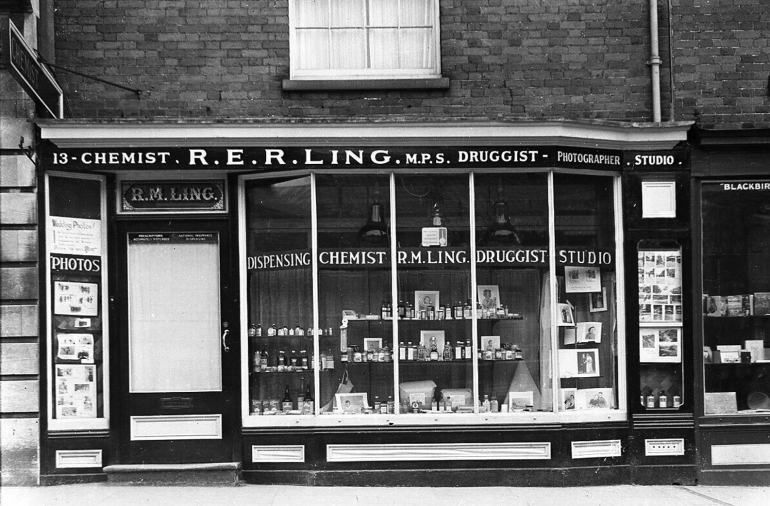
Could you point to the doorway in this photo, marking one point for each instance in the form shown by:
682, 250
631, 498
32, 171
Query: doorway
178, 349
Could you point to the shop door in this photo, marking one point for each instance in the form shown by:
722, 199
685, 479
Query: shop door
178, 349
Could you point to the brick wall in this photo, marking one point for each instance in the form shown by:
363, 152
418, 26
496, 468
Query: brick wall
722, 62
576, 59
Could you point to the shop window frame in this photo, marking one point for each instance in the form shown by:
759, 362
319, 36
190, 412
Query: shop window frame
541, 417
77, 424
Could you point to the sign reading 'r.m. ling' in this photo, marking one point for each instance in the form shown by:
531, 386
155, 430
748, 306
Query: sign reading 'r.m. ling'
168, 196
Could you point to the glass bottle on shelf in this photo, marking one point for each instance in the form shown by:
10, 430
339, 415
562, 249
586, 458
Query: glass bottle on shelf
287, 404
494, 405
468, 310
256, 361
309, 400
293, 359
468, 354
447, 354
252, 332
459, 348
263, 360
485, 405
303, 360
433, 349
422, 355
281, 358
401, 351
411, 351
401, 309
329, 360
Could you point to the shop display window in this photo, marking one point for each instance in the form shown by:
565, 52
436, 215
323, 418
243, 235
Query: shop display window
77, 320
736, 296
392, 295
661, 345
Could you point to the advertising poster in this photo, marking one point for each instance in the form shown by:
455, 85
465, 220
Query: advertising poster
660, 286
78, 347
75, 236
660, 345
75, 391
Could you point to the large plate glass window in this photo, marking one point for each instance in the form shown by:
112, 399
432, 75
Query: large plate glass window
587, 293
380, 297
434, 279
364, 39
736, 296
354, 294
278, 244
511, 296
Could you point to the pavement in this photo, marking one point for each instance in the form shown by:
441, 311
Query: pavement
97, 494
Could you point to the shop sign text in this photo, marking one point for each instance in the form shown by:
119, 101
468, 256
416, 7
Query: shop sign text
427, 257
173, 196
291, 158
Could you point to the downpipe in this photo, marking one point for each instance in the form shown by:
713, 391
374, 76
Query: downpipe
654, 61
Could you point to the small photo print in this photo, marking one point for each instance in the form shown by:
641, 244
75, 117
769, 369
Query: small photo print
598, 301
568, 399
519, 401
489, 296
587, 363
566, 318
594, 398
425, 298
589, 332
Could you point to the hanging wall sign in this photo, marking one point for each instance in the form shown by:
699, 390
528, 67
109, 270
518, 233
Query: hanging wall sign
22, 63
173, 196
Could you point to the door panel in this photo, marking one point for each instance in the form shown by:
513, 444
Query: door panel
177, 347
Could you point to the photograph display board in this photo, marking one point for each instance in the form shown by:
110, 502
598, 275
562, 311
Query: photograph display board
76, 280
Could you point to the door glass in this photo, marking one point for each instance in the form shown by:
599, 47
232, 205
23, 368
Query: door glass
174, 319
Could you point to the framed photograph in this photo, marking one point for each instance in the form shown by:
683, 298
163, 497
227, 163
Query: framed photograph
372, 343
594, 398
425, 298
351, 404
490, 342
597, 301
566, 318
519, 401
427, 338
660, 345
567, 398
582, 279
587, 363
489, 296
589, 332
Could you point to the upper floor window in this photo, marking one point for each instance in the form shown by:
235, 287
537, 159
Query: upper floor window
364, 39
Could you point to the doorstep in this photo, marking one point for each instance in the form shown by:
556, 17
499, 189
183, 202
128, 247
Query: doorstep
213, 474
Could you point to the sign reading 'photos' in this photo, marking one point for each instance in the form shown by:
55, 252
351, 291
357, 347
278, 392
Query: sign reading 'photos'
660, 286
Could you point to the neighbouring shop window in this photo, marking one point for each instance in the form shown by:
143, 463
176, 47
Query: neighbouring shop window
401, 294
736, 296
77, 318
364, 39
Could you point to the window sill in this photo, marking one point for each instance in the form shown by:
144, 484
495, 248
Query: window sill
435, 83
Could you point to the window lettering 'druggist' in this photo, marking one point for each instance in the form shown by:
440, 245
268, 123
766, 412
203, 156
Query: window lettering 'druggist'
364, 39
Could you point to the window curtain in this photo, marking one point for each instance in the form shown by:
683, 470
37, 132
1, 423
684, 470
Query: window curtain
360, 34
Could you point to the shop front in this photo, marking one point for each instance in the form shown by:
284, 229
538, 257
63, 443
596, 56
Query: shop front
366, 304
732, 205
